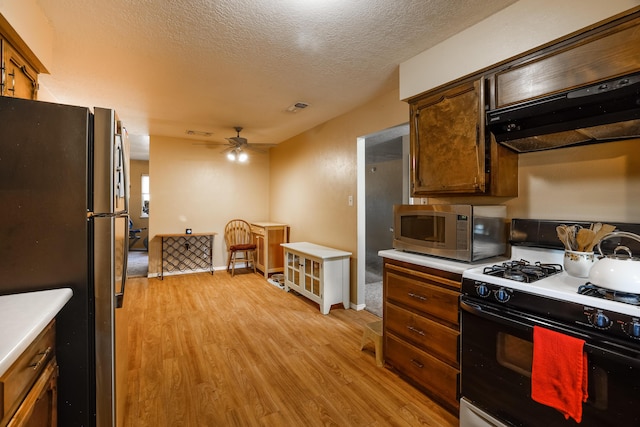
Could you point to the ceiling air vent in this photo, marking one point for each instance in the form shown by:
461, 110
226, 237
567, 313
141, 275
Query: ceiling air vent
297, 107
198, 133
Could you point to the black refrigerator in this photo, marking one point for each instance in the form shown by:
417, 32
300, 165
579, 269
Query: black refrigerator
64, 224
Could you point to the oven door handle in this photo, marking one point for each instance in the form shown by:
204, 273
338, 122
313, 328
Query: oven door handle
625, 356
509, 318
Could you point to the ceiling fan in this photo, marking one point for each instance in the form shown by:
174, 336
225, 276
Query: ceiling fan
237, 146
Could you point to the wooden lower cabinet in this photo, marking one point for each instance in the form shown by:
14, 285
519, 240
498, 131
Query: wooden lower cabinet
437, 378
421, 329
28, 390
438, 339
39, 408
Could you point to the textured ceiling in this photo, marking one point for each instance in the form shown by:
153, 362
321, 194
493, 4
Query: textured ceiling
209, 65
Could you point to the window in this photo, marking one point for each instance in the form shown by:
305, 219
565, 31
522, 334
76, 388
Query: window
144, 196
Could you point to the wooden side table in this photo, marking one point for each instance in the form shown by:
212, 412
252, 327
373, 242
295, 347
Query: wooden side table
186, 252
269, 254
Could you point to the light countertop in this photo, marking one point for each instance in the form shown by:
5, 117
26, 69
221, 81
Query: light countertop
314, 250
22, 318
435, 262
267, 224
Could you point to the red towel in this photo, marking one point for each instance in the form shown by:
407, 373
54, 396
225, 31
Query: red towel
559, 372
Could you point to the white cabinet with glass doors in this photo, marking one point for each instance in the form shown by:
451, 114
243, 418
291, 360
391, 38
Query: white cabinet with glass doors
318, 273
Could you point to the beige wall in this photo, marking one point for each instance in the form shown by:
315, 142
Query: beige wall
595, 182
138, 168
314, 173
193, 186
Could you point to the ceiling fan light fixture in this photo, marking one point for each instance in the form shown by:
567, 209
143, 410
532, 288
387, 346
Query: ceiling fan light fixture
237, 155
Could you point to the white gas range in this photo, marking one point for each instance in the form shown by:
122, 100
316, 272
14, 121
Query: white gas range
501, 307
560, 286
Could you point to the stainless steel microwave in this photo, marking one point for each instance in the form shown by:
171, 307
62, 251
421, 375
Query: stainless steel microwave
459, 232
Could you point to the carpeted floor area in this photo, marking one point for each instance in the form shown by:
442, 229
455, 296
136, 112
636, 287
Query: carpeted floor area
373, 298
373, 292
138, 264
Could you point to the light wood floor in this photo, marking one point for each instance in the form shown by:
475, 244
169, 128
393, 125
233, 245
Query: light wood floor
236, 351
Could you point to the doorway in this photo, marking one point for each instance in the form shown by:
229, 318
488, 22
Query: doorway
383, 172
138, 259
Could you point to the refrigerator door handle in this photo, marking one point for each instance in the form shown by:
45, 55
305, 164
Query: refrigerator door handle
119, 296
122, 171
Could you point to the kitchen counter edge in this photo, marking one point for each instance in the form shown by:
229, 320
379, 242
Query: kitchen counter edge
23, 316
438, 263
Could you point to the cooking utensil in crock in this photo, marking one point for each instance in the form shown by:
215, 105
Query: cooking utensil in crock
572, 231
563, 235
617, 272
584, 238
603, 230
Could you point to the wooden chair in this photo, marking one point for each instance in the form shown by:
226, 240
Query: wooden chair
240, 248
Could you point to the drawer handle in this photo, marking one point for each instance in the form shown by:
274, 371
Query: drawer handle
417, 364
416, 296
416, 330
43, 358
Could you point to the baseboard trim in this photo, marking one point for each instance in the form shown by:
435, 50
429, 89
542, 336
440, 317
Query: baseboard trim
357, 307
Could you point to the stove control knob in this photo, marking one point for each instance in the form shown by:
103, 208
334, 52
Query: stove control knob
482, 289
632, 329
502, 295
600, 320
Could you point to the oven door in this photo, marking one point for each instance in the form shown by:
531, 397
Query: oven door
497, 353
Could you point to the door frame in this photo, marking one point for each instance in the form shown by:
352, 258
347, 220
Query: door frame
361, 215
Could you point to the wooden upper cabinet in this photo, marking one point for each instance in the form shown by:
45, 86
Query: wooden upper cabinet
451, 152
19, 79
599, 54
19, 66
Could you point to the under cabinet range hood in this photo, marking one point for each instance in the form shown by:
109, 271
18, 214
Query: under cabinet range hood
606, 111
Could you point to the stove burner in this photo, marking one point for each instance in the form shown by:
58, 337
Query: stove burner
599, 292
516, 275
522, 270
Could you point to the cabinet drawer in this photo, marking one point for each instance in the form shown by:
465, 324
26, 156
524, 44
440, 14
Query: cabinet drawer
438, 379
428, 335
16, 382
420, 295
